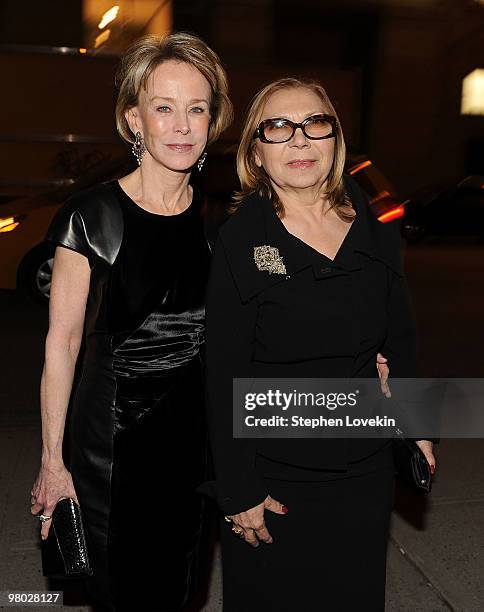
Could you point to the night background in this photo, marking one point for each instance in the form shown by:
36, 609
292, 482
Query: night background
407, 80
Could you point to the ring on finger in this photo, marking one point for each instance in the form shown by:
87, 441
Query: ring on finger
227, 519
238, 531
43, 518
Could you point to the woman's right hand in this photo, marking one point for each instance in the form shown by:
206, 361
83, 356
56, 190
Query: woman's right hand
53, 482
252, 521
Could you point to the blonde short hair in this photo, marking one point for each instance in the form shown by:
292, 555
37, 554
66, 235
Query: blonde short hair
255, 179
147, 53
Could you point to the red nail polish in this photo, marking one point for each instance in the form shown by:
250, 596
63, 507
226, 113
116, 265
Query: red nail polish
432, 469
285, 510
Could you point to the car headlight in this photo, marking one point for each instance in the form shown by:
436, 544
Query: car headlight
8, 224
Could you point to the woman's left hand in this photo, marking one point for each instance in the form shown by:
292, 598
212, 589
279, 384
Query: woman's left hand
383, 373
426, 446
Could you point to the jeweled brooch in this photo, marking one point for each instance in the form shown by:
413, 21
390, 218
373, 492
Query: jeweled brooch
267, 259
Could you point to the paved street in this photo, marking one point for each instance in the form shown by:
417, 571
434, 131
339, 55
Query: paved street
436, 550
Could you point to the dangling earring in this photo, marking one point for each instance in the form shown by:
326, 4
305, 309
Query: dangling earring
138, 148
201, 160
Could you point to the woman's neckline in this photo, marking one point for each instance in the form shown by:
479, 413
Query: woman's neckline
135, 206
318, 253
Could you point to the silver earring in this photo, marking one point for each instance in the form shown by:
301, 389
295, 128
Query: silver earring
201, 160
138, 148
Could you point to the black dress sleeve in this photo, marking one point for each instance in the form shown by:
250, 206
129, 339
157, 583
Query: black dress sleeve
400, 347
67, 229
230, 332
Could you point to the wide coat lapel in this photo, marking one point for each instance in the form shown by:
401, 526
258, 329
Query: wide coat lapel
381, 241
260, 251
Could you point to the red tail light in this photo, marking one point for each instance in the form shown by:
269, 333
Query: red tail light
393, 214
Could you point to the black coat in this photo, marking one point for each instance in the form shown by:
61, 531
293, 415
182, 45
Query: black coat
319, 318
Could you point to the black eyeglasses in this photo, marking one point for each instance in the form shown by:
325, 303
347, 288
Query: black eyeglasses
316, 127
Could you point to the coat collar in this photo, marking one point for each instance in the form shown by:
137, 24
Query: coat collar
381, 241
256, 224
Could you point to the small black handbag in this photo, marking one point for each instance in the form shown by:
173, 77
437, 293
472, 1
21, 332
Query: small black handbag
64, 552
411, 465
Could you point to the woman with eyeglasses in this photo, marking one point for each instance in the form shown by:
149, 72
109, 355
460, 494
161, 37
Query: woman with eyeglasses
305, 283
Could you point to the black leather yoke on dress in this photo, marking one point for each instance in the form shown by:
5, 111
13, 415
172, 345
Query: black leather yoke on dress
137, 432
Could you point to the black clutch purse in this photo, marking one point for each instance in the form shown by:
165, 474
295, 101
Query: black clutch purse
411, 465
64, 552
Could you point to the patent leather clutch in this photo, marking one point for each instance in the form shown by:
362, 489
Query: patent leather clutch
64, 552
411, 465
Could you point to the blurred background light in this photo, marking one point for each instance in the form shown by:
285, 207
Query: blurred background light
127, 20
359, 167
102, 38
108, 17
7, 224
472, 102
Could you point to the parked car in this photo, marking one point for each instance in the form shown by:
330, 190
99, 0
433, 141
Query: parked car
457, 210
27, 259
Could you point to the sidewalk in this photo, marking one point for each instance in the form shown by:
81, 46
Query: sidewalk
436, 551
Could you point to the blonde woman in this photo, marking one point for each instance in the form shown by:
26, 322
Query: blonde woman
130, 269
313, 513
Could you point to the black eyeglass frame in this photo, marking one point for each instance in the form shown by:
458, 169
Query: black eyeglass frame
259, 132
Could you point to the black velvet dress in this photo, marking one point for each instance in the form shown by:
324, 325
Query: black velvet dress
138, 440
